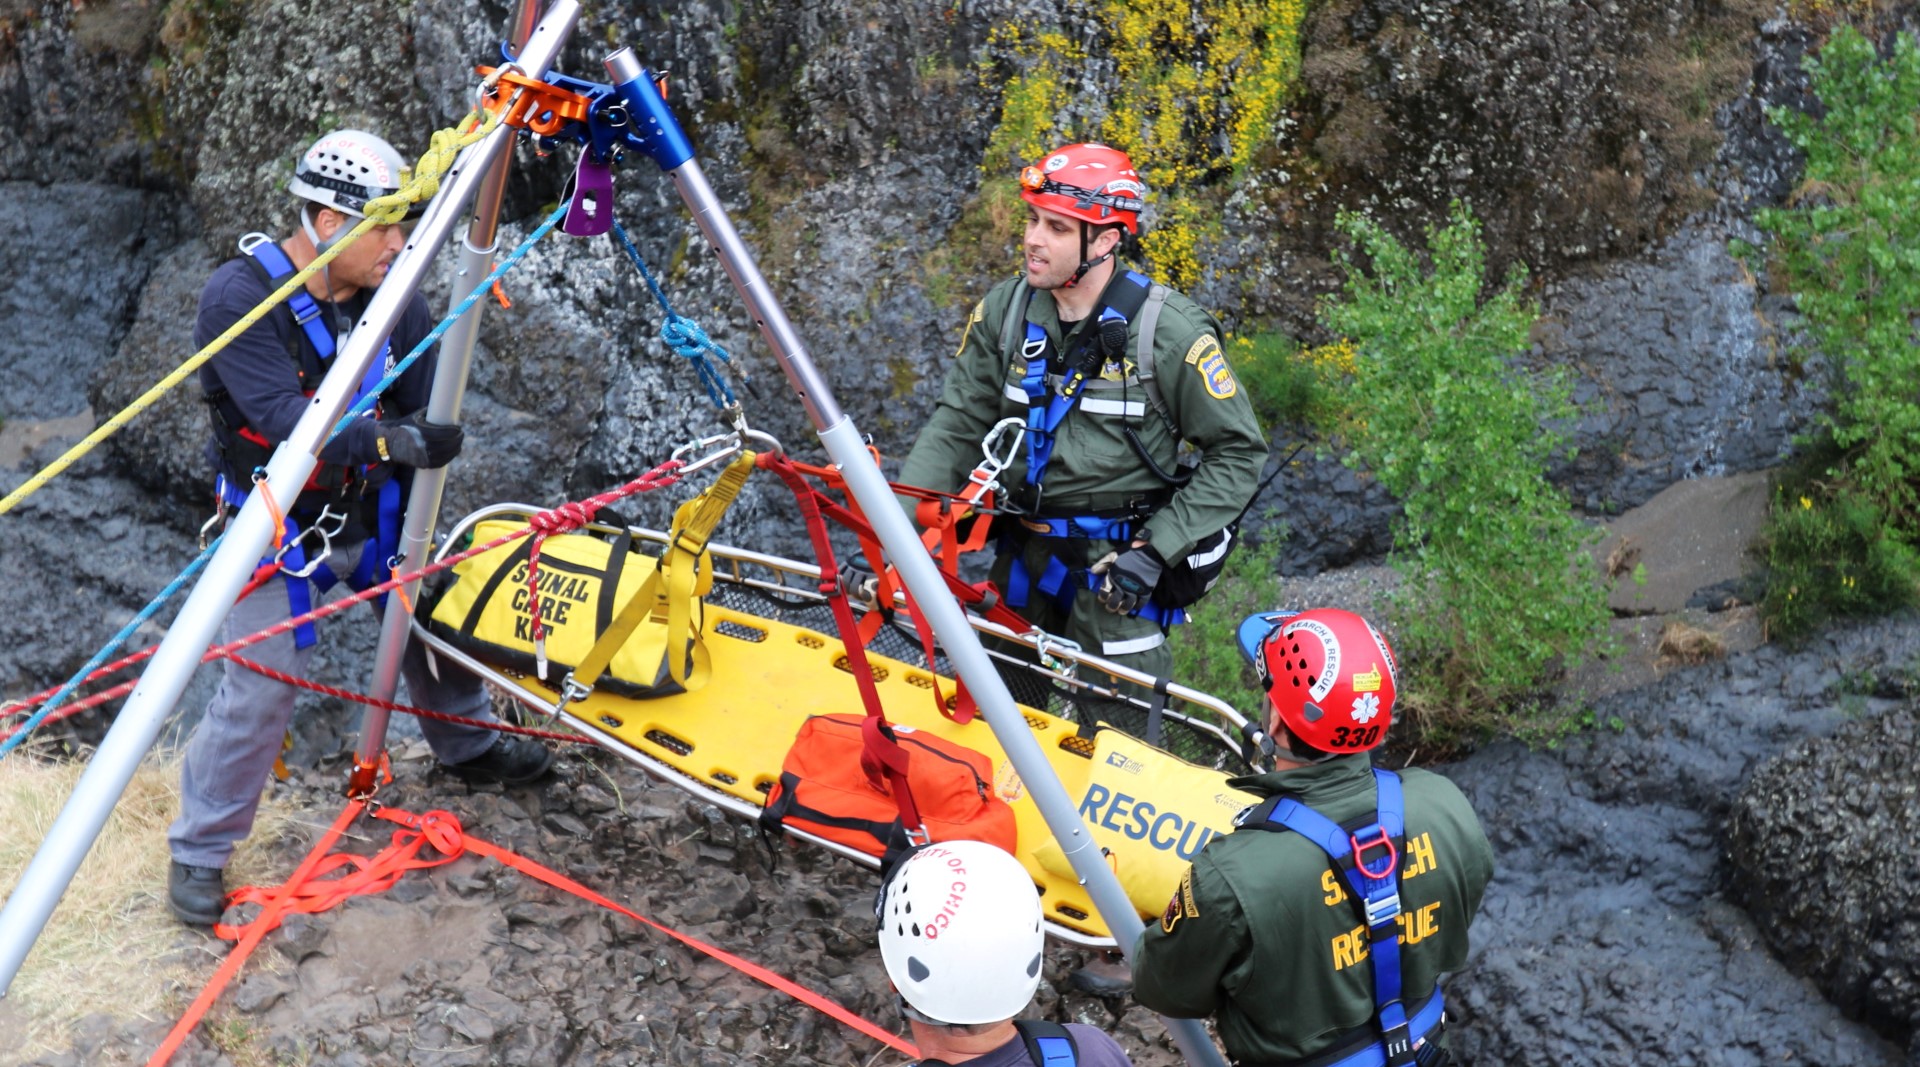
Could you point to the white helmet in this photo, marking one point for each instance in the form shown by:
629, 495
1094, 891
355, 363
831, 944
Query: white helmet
960, 933
346, 168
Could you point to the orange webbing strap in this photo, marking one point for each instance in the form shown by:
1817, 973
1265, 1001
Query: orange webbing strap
259, 928
982, 597
880, 752
752, 970
307, 893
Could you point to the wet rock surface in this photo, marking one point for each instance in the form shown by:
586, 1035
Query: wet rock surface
1615, 929
1812, 840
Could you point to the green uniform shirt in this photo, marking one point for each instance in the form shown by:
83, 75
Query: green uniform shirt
1263, 934
1093, 467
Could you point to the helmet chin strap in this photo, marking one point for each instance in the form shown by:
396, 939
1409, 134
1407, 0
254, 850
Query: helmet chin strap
1085, 263
319, 246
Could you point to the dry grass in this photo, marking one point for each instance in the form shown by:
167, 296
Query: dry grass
111, 946
1623, 557
1681, 642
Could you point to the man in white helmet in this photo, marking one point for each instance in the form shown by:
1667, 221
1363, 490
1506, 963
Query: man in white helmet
342, 527
960, 935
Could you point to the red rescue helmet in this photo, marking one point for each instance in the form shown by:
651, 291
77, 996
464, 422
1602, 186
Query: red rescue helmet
1090, 182
1328, 673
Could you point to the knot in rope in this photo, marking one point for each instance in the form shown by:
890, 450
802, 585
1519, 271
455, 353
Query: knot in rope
686, 337
690, 342
443, 148
563, 519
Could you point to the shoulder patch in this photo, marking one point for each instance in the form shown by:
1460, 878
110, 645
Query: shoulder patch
1182, 906
1215, 373
979, 315
1201, 346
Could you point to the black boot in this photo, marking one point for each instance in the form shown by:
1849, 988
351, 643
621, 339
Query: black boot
510, 761
196, 895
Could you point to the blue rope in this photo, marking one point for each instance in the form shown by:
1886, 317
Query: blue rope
112, 646
360, 406
364, 403
684, 335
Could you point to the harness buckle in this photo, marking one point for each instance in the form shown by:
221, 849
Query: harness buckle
1396, 1041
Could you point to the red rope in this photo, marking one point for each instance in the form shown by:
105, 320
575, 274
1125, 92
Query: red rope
423, 713
309, 892
659, 477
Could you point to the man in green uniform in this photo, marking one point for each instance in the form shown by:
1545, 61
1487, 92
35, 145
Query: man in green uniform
1269, 931
1110, 373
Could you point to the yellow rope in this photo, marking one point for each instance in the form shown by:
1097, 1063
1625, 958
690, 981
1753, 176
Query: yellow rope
444, 147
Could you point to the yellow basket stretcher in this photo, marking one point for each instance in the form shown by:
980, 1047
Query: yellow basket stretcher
776, 658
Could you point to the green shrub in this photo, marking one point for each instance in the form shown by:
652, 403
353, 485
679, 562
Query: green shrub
1499, 592
1287, 383
1849, 251
1830, 552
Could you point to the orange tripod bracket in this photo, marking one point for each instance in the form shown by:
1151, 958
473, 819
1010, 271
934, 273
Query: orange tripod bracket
537, 107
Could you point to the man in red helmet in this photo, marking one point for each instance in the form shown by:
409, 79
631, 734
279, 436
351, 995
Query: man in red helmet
1318, 930
1114, 376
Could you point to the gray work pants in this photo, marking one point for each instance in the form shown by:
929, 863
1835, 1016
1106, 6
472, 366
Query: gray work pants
232, 750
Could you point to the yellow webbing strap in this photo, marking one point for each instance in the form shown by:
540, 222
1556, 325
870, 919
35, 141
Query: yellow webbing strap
444, 147
689, 576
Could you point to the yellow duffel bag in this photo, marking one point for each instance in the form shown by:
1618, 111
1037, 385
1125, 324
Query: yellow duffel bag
583, 582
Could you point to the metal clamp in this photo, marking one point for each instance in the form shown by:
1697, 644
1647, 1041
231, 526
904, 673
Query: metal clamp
571, 692
998, 454
218, 517
1044, 642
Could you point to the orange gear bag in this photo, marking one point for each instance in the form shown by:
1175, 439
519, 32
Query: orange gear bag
825, 791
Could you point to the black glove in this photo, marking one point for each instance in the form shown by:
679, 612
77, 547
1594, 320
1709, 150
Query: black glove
1131, 576
415, 442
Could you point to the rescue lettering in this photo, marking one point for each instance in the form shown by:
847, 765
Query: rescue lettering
1415, 926
1419, 859
1139, 820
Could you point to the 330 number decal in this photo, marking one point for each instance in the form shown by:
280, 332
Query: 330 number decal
1355, 736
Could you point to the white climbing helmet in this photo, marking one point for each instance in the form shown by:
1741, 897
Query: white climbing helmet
960, 933
346, 168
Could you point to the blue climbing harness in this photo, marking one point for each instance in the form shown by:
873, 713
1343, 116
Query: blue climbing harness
1370, 859
376, 559
1047, 408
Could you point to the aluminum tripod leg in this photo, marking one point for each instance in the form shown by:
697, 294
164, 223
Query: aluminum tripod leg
443, 405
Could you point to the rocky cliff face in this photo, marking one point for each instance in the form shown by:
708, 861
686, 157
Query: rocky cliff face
1612, 146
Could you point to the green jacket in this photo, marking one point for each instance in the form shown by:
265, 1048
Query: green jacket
1264, 935
1093, 467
